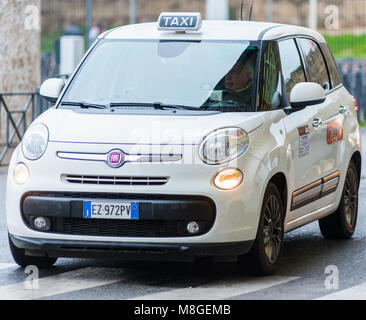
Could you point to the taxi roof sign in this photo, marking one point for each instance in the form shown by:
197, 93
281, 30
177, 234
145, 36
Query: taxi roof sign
183, 21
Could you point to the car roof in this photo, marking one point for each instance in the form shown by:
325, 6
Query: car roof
214, 30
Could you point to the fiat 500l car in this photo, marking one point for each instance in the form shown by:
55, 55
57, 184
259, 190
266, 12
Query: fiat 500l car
187, 138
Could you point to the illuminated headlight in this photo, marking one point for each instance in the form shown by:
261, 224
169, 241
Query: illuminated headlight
21, 173
224, 145
35, 141
228, 179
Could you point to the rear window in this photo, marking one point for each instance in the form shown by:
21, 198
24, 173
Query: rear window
332, 65
315, 64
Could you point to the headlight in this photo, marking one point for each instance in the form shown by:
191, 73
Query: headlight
21, 173
228, 179
223, 145
35, 141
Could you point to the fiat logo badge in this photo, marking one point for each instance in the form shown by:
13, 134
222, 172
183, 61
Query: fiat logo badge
115, 158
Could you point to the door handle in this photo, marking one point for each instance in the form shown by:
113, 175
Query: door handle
317, 122
343, 109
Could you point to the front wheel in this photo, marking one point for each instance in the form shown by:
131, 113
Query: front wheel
23, 260
264, 256
342, 223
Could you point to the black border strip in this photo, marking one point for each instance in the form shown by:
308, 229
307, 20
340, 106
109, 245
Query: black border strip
311, 186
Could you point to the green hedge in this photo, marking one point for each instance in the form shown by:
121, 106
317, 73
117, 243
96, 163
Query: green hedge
347, 45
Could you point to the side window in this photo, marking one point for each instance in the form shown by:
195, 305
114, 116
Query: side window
292, 68
270, 78
315, 64
335, 78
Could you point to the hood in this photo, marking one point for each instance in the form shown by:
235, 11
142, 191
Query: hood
92, 127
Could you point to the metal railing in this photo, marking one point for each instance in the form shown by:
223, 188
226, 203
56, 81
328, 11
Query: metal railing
15, 123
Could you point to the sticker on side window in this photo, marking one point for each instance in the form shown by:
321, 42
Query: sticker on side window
304, 141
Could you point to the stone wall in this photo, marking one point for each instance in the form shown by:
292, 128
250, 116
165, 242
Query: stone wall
19, 52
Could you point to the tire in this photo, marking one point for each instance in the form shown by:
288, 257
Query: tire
342, 223
23, 260
264, 256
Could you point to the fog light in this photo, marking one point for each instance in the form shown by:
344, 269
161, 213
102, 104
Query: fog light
21, 173
193, 227
228, 179
42, 223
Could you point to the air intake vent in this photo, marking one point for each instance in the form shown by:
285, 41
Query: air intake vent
114, 180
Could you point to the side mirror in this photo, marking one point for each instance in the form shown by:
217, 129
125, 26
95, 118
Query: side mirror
306, 94
51, 89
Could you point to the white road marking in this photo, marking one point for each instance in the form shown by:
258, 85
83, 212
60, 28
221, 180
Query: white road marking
219, 290
7, 265
354, 293
84, 278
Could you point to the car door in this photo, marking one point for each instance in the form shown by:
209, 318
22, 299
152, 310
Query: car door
328, 124
304, 157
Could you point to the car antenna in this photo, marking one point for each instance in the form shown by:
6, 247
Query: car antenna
250, 12
241, 10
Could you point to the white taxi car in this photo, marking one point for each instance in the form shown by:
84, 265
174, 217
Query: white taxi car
187, 138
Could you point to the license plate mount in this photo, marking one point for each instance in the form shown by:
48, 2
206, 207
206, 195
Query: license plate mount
99, 209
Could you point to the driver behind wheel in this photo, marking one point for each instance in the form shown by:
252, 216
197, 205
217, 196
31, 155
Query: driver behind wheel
238, 81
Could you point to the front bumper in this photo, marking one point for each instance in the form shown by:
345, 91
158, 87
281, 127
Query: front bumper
133, 250
159, 215
237, 211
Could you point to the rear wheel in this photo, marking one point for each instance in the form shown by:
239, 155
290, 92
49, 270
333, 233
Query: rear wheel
342, 223
23, 260
264, 256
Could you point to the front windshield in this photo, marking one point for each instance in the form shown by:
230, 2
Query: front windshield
207, 75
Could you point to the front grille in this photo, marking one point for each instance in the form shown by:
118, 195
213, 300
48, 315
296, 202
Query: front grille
115, 180
118, 228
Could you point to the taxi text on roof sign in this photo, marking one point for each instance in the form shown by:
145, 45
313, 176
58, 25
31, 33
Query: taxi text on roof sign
173, 21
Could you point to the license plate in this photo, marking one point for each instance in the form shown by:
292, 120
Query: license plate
111, 210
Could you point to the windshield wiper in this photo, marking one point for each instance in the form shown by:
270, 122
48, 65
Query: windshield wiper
83, 105
155, 105
177, 106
